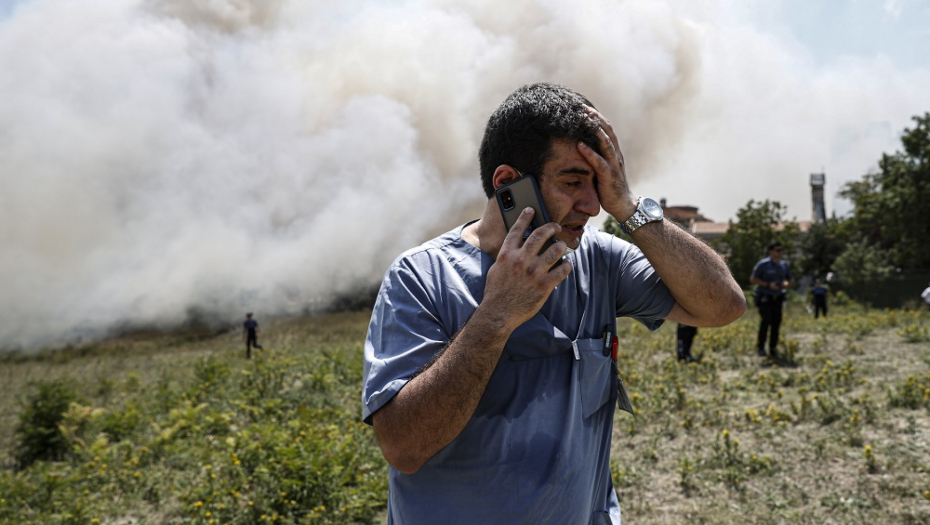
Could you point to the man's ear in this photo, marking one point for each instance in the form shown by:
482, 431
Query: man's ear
504, 174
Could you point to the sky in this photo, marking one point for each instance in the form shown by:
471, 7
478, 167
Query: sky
168, 159
846, 77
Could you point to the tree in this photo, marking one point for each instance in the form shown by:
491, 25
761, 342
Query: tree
39, 435
824, 242
891, 207
756, 225
862, 268
612, 227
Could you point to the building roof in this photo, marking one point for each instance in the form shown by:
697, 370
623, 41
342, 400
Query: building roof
709, 228
684, 214
716, 229
700, 226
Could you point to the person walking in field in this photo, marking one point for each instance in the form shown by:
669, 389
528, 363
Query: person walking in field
772, 277
818, 298
250, 331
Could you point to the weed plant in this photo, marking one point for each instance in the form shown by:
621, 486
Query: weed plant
180, 428
210, 438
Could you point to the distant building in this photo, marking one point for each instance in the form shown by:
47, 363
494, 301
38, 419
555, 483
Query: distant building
705, 229
709, 231
693, 222
818, 209
685, 216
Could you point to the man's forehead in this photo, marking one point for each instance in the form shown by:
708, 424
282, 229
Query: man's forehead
565, 159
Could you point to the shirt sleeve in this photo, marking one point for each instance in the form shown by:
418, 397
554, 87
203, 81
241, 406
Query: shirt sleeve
404, 333
788, 275
757, 270
640, 292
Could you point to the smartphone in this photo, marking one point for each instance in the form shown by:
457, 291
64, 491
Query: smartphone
514, 197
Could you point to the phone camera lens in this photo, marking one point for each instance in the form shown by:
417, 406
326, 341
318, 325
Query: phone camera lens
507, 200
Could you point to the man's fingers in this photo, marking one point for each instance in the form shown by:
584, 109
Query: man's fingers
560, 272
600, 164
608, 150
534, 242
610, 144
553, 253
515, 235
606, 126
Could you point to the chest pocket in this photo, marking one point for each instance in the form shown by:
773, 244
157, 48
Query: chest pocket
535, 339
595, 375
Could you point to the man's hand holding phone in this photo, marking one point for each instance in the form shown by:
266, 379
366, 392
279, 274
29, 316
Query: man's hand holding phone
523, 276
514, 196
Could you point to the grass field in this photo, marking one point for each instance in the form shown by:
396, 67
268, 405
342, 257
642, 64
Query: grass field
180, 428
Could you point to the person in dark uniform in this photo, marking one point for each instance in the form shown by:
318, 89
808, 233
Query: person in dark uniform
772, 277
250, 331
818, 298
686, 335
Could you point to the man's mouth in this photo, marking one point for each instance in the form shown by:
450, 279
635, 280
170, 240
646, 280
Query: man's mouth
575, 230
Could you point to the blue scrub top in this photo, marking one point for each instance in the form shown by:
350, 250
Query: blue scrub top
537, 448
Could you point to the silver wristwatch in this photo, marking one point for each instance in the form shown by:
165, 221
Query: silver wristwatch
647, 210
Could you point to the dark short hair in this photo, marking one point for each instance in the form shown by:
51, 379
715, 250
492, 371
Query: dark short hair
520, 132
773, 245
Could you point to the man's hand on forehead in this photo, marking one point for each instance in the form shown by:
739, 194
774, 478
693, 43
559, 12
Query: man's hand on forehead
612, 187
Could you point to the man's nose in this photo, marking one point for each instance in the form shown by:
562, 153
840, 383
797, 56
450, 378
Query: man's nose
587, 202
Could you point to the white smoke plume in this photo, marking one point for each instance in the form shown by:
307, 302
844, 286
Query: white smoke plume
163, 157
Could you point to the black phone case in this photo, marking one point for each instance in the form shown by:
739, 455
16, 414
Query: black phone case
525, 193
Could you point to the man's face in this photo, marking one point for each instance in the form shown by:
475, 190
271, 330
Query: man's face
775, 253
568, 189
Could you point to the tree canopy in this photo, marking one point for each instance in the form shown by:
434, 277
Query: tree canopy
757, 224
886, 236
820, 247
891, 207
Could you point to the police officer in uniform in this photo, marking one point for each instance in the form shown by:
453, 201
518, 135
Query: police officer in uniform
772, 277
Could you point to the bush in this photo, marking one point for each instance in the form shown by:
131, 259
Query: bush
38, 435
122, 424
841, 299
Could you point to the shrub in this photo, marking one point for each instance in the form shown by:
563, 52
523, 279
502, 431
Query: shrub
121, 424
915, 333
913, 393
38, 435
841, 299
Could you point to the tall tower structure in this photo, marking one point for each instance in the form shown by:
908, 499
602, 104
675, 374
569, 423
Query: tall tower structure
818, 210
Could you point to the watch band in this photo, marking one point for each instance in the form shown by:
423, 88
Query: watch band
636, 220
640, 216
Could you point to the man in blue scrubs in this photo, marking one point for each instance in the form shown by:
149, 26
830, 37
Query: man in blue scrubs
488, 376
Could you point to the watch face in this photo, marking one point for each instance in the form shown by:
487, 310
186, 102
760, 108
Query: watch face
652, 208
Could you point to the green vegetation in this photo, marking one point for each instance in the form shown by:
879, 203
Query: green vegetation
829, 434
891, 205
180, 428
879, 253
756, 225
192, 432
39, 433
